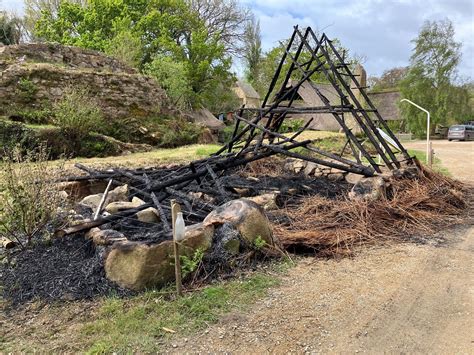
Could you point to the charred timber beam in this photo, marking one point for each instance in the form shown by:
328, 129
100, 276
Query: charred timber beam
369, 102
100, 221
280, 66
302, 129
222, 165
161, 212
259, 117
346, 129
216, 181
186, 198
309, 147
369, 132
282, 88
364, 171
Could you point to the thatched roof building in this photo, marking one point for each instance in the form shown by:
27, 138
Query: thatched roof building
205, 118
247, 94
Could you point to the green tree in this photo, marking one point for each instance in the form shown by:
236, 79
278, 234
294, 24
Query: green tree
164, 27
253, 54
225, 20
272, 58
390, 79
430, 81
35, 8
10, 28
172, 76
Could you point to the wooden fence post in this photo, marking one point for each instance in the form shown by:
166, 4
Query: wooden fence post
175, 208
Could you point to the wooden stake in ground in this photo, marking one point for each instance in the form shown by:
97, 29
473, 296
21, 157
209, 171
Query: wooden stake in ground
175, 209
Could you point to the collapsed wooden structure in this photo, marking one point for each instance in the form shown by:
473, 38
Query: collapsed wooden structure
257, 135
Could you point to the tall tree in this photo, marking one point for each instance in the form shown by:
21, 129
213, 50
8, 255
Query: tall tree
159, 27
35, 8
390, 79
10, 28
253, 53
430, 81
224, 20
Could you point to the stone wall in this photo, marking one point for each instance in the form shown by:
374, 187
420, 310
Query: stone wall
66, 56
34, 75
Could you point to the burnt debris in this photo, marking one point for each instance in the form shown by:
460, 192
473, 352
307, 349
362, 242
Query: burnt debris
257, 136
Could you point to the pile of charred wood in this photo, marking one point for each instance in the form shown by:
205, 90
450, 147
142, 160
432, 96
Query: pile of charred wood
257, 136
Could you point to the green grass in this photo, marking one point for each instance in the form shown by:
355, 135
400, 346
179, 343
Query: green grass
137, 324
40, 126
207, 150
437, 165
155, 157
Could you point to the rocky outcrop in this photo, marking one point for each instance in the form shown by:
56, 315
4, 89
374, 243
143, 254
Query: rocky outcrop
34, 75
65, 56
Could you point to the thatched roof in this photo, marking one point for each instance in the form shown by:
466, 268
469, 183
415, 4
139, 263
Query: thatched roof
248, 90
205, 118
387, 104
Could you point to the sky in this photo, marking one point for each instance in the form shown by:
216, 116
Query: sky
379, 30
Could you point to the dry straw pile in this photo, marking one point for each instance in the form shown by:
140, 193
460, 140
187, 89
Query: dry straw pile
411, 207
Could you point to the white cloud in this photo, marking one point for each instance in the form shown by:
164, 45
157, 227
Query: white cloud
381, 30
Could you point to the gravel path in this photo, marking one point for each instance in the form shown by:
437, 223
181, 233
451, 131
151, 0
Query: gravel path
458, 157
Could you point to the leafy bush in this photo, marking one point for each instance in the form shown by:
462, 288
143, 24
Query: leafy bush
259, 243
291, 126
27, 89
39, 116
77, 114
92, 145
13, 134
172, 77
29, 199
177, 132
189, 265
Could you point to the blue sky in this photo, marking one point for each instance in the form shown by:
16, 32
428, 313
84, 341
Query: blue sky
379, 30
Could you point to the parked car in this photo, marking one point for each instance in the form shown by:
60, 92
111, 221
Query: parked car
461, 132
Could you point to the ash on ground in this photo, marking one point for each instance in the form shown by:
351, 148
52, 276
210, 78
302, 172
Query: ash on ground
63, 269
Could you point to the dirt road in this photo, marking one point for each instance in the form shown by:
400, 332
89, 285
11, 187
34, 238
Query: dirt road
458, 157
405, 298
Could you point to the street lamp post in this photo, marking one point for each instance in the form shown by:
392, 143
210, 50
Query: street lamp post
428, 150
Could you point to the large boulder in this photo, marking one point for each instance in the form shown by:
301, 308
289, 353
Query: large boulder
369, 188
120, 193
138, 265
266, 201
246, 216
105, 236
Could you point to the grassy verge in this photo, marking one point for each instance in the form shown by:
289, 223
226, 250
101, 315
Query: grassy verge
155, 157
145, 322
437, 165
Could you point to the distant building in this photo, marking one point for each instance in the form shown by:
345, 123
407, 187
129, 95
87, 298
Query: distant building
247, 94
386, 103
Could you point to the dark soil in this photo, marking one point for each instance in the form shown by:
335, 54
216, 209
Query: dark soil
65, 269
